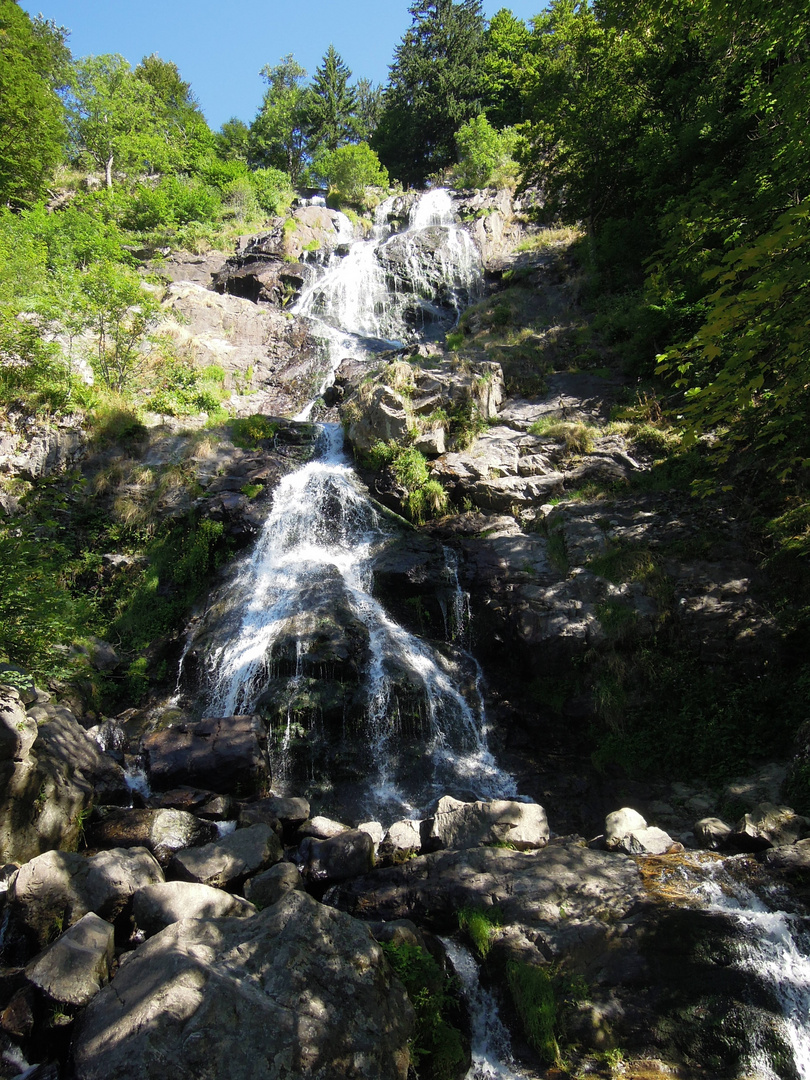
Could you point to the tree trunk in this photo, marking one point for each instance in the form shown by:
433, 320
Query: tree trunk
108, 172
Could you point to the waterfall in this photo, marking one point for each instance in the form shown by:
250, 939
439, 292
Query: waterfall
776, 949
315, 554
490, 1043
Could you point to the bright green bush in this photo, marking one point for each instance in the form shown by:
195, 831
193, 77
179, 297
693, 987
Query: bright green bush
484, 154
349, 170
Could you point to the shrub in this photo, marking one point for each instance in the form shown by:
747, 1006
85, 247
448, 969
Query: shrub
349, 170
273, 189
480, 924
485, 154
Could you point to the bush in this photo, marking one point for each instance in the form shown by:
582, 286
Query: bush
273, 189
349, 170
484, 154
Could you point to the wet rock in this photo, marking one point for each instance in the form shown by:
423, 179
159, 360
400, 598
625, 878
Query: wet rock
290, 812
209, 805
55, 890
77, 965
226, 863
269, 887
457, 825
340, 858
712, 833
163, 832
768, 826
157, 906
227, 754
299, 990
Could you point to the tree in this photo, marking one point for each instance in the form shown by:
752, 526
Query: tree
118, 119
33, 68
434, 87
331, 104
368, 110
184, 123
349, 170
278, 134
232, 141
507, 43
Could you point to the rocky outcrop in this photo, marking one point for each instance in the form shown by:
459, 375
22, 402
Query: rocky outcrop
269, 359
298, 990
73, 970
49, 775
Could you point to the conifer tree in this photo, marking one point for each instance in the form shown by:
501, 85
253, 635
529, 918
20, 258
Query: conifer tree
331, 104
434, 87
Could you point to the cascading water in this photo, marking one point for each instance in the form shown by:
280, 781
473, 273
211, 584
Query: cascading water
314, 558
490, 1045
775, 948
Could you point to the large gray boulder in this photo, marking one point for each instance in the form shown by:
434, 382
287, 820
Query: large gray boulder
157, 906
56, 889
768, 826
268, 887
298, 991
77, 965
457, 825
226, 863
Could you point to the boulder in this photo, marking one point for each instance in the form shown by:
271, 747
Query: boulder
457, 825
340, 858
77, 965
49, 775
403, 840
300, 990
768, 826
712, 833
648, 841
322, 828
269, 887
57, 889
620, 824
375, 831
384, 416
226, 863
163, 832
157, 906
225, 754
289, 811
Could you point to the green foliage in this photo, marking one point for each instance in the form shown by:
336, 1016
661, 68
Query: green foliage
485, 156
38, 614
33, 68
331, 103
180, 389
273, 189
480, 925
249, 432
578, 437
425, 498
278, 134
349, 170
437, 1048
171, 202
536, 1004
434, 87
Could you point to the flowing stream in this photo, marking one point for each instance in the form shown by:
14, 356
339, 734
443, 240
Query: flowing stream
318, 542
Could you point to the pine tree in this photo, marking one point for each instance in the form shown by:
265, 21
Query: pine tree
331, 104
434, 87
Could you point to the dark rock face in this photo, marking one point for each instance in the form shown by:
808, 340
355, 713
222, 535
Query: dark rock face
298, 990
229, 754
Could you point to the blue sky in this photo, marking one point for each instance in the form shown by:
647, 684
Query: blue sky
221, 48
